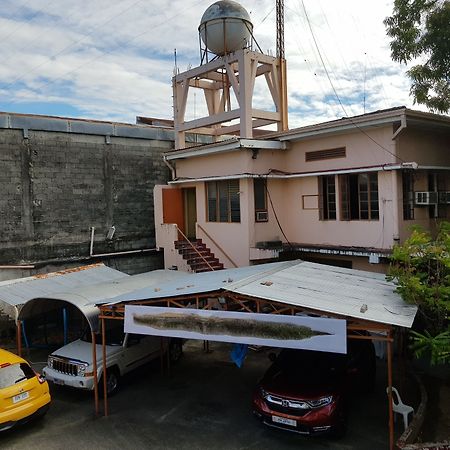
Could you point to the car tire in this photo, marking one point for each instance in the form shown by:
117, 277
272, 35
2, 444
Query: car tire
112, 382
175, 350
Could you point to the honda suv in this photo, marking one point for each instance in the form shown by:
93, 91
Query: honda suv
307, 392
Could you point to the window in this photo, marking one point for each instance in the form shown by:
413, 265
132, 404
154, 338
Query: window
327, 198
408, 195
223, 201
359, 196
260, 196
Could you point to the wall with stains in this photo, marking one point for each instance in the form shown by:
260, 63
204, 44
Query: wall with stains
55, 186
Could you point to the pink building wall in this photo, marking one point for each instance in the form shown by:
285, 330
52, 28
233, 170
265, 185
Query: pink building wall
295, 200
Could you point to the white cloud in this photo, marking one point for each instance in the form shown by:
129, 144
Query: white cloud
113, 59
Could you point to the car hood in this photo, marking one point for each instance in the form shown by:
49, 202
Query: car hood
81, 351
301, 387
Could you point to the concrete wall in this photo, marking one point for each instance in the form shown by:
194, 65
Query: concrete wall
55, 186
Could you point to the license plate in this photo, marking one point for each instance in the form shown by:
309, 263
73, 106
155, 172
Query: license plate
19, 397
284, 421
60, 382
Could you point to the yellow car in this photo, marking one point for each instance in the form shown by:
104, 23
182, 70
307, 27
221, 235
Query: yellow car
24, 393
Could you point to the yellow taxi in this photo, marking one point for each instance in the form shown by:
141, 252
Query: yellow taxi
24, 393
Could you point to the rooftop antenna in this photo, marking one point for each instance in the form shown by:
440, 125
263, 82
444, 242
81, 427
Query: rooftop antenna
280, 29
282, 60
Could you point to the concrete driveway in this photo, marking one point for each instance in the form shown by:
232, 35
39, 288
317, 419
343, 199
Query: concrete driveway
205, 403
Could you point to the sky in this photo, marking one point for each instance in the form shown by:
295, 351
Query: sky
114, 59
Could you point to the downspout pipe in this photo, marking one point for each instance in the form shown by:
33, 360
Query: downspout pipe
126, 252
402, 126
173, 171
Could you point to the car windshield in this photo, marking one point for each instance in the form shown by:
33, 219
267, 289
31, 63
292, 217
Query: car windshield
114, 335
15, 373
310, 366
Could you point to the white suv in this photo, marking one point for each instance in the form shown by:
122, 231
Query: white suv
72, 365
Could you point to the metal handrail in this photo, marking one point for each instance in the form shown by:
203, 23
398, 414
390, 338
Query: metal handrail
190, 243
217, 245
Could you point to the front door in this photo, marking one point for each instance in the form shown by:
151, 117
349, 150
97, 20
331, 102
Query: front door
190, 212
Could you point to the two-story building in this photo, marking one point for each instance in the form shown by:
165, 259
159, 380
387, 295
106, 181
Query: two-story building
341, 192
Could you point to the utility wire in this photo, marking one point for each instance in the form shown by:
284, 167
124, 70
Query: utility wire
103, 52
337, 96
117, 47
265, 17
3, 39
275, 214
311, 70
52, 57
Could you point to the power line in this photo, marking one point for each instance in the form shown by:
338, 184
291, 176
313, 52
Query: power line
52, 57
103, 52
3, 39
337, 96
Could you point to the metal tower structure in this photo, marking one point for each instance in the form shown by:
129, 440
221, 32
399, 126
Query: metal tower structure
280, 29
282, 64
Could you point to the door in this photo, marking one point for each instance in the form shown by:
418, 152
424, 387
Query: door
190, 212
173, 208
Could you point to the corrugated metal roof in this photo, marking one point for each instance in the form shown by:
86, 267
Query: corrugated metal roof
86, 296
334, 290
195, 283
19, 291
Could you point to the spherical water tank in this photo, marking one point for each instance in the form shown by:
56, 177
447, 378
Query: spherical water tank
225, 27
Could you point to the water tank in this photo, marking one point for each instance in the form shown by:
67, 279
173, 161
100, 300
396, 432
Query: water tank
225, 27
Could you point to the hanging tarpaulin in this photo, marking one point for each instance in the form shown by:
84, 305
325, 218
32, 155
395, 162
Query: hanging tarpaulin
312, 333
238, 354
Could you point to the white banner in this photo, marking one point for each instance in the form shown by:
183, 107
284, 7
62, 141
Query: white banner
311, 333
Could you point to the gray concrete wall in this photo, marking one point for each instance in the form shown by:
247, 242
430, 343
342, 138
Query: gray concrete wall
55, 186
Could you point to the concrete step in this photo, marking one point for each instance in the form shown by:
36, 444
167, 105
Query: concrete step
208, 269
210, 259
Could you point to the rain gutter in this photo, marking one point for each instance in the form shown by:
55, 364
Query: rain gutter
386, 167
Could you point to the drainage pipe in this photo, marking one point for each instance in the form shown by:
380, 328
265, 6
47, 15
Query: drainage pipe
126, 252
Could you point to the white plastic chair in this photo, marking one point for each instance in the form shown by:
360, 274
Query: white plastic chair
399, 407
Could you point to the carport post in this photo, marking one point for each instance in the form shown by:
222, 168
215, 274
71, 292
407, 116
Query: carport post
19, 337
391, 412
105, 390
94, 361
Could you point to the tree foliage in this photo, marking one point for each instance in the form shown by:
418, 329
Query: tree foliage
420, 29
421, 269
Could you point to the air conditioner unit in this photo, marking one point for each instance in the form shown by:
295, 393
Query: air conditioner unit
262, 216
425, 198
444, 198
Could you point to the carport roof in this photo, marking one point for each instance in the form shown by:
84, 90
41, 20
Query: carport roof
325, 289
85, 296
18, 291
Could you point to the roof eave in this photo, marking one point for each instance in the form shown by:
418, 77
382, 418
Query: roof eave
230, 145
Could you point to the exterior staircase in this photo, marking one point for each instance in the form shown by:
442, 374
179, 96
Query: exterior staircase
204, 263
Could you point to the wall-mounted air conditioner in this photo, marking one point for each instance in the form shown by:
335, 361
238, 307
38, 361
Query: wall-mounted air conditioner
262, 216
425, 198
444, 198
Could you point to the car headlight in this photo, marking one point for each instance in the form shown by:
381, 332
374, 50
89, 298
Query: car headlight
50, 362
321, 402
262, 392
81, 370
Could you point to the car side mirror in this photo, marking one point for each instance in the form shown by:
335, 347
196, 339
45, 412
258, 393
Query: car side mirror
272, 356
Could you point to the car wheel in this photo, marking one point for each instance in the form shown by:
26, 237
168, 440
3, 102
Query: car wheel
175, 351
112, 382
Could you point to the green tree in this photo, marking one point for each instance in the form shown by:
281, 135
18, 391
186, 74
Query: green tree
420, 30
421, 269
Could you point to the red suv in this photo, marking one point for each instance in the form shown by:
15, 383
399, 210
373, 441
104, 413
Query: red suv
307, 392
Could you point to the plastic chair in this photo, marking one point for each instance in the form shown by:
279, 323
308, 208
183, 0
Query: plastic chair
399, 407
